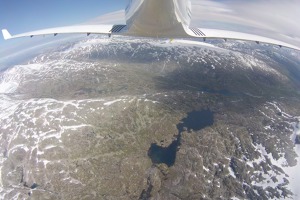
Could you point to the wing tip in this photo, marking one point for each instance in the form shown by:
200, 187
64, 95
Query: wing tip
6, 34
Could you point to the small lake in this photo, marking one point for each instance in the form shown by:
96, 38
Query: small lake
195, 120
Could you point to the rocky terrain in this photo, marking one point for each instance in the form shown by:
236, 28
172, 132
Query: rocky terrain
141, 119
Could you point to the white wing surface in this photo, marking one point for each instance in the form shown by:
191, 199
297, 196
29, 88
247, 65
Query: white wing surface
86, 29
122, 30
222, 34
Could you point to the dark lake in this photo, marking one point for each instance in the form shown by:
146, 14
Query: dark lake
195, 120
165, 155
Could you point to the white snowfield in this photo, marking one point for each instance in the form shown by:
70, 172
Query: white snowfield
294, 172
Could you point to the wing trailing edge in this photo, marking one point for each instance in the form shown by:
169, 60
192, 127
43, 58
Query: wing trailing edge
122, 30
232, 35
80, 29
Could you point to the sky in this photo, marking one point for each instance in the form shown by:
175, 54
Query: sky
271, 18
27, 15
19, 16
276, 18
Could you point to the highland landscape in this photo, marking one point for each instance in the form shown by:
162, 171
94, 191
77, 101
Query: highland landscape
125, 118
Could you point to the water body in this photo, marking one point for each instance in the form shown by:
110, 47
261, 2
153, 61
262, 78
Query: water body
297, 139
165, 155
195, 120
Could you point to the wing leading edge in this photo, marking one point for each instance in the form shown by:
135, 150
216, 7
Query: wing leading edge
122, 30
232, 35
83, 29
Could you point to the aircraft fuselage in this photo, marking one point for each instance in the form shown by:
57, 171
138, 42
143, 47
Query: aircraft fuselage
158, 18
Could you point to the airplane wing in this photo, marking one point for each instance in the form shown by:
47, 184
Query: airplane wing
86, 29
122, 30
231, 35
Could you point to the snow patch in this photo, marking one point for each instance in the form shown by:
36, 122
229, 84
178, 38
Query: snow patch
73, 180
8, 86
206, 169
46, 162
231, 172
294, 172
284, 114
11, 78
7, 107
147, 100
49, 147
1, 184
112, 102
75, 127
268, 181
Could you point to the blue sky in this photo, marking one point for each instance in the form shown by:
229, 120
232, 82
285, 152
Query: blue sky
26, 15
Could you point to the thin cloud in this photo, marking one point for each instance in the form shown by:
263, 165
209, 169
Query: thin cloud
117, 17
269, 18
274, 18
